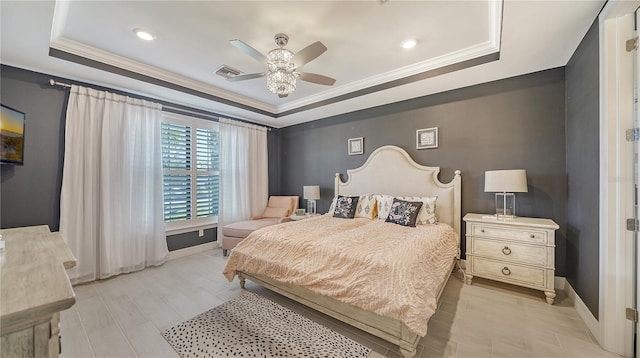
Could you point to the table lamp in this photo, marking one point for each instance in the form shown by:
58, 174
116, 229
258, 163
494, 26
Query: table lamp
311, 193
505, 183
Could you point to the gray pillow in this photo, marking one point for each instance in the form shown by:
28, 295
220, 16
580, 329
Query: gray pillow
346, 207
404, 212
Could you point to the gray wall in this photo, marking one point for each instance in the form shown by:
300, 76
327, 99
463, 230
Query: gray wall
513, 123
30, 194
583, 170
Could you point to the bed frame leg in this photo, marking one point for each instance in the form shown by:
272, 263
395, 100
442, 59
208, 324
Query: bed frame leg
406, 353
242, 280
408, 342
467, 279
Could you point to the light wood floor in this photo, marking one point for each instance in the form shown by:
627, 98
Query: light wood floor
122, 316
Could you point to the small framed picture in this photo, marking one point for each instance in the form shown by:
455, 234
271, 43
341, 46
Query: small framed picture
300, 212
356, 146
427, 138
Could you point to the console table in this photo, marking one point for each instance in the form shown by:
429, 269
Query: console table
35, 288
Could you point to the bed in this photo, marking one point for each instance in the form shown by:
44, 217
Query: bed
388, 170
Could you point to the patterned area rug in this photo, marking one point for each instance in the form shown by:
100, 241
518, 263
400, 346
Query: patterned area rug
253, 326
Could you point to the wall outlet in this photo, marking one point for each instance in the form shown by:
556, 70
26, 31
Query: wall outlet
201, 232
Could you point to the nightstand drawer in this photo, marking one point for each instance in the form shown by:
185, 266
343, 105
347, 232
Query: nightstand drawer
508, 272
525, 235
502, 250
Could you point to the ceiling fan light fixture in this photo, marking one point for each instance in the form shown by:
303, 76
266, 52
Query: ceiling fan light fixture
144, 34
281, 78
409, 44
281, 58
281, 82
282, 65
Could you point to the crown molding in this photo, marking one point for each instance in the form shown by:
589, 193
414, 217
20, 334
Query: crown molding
491, 46
108, 58
469, 53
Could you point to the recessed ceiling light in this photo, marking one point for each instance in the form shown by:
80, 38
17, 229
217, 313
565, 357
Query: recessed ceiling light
409, 44
144, 34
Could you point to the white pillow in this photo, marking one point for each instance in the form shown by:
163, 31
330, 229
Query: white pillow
427, 214
332, 207
366, 207
384, 205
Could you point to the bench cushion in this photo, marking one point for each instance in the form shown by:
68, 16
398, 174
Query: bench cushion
244, 228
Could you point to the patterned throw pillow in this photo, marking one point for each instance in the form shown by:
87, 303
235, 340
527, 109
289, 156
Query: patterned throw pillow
366, 207
404, 212
345, 207
427, 214
384, 205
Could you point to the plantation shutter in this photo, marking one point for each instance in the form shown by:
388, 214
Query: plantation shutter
208, 180
191, 164
176, 158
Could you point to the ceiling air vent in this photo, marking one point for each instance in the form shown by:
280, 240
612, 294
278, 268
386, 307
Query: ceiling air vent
227, 71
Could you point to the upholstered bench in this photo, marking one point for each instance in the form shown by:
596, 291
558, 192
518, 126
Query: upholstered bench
277, 211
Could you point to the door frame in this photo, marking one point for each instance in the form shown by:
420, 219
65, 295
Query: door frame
615, 333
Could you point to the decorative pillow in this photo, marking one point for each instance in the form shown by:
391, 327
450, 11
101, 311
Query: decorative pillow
384, 205
346, 207
366, 207
404, 212
332, 207
427, 214
270, 212
280, 202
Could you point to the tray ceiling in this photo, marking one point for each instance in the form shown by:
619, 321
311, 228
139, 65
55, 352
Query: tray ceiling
459, 43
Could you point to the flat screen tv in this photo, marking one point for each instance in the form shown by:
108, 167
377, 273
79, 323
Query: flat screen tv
11, 135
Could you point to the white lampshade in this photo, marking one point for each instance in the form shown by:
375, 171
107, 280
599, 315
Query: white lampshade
311, 192
505, 181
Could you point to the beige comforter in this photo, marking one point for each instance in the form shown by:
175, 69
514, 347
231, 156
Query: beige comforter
392, 270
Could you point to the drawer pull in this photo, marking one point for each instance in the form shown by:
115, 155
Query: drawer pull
506, 271
532, 236
506, 250
481, 230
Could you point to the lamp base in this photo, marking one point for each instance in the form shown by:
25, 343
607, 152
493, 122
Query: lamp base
311, 206
505, 206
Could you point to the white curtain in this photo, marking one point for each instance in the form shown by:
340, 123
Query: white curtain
244, 172
111, 205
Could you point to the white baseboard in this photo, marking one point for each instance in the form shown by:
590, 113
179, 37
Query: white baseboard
584, 312
559, 283
176, 254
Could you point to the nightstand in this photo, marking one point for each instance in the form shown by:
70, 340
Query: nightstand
518, 251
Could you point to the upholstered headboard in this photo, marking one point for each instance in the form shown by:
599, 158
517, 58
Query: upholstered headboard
390, 170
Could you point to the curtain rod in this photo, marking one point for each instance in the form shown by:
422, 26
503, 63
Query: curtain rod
66, 85
55, 83
178, 110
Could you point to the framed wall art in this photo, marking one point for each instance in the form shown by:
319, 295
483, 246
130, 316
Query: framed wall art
427, 138
356, 146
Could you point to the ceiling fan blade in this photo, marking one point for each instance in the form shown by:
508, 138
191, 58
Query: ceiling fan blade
249, 50
249, 76
308, 54
315, 78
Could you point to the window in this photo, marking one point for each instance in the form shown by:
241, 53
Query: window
191, 165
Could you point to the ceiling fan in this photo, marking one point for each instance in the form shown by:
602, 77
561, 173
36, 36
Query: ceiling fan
282, 65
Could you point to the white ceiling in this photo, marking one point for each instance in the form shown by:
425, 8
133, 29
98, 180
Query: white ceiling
363, 40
